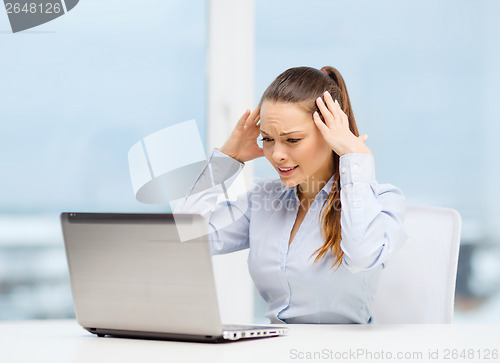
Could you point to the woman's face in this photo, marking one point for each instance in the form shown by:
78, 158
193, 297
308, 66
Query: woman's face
292, 140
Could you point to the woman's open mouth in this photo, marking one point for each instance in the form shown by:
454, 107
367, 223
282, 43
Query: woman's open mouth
286, 171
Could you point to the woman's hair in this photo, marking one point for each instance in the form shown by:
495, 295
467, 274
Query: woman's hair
302, 86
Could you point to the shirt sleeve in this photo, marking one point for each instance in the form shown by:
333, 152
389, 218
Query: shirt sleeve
372, 214
228, 221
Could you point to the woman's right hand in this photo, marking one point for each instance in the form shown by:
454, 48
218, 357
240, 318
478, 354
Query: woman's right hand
242, 143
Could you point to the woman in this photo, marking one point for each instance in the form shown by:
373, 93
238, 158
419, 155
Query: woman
318, 236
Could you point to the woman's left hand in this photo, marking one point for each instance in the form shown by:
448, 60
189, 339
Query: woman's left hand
336, 130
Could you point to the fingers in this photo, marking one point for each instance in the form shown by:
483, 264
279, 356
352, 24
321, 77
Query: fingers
327, 115
243, 119
333, 106
249, 117
320, 124
343, 116
253, 118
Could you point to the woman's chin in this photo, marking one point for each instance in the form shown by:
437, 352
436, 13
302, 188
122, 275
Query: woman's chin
288, 182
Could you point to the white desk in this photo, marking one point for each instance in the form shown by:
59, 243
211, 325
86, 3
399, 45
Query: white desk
64, 341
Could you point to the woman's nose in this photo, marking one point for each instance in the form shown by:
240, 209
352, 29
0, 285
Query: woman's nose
279, 153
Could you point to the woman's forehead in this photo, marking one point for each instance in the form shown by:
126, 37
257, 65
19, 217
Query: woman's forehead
284, 117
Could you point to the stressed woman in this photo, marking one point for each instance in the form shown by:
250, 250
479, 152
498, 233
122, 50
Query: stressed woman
320, 234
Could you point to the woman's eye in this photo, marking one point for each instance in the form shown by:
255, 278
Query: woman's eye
293, 141
266, 139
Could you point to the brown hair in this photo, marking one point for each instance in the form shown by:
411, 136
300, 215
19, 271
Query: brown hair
302, 85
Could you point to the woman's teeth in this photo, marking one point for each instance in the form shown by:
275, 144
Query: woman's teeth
288, 168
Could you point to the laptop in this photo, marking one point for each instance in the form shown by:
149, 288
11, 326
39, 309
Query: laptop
133, 276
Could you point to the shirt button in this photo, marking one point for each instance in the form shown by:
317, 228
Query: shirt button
357, 204
355, 167
343, 170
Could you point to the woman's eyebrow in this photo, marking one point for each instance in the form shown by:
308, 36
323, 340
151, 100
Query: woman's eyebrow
283, 134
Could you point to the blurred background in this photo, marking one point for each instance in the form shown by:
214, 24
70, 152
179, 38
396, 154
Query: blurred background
78, 92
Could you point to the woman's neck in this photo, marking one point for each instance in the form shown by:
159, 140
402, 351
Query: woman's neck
308, 189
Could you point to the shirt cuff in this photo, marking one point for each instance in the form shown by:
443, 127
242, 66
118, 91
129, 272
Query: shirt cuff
223, 168
356, 168
218, 153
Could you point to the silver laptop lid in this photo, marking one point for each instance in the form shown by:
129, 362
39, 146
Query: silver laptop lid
131, 272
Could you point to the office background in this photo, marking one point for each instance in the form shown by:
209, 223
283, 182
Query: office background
78, 92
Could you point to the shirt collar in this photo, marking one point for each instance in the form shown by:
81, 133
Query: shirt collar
285, 190
328, 186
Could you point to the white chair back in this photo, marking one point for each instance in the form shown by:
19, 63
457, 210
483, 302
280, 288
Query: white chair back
417, 284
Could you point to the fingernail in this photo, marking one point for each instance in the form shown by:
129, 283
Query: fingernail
327, 93
319, 99
315, 113
337, 102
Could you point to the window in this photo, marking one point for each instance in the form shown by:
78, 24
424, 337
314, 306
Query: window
76, 93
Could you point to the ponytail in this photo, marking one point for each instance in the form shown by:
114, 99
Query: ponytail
344, 101
330, 217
